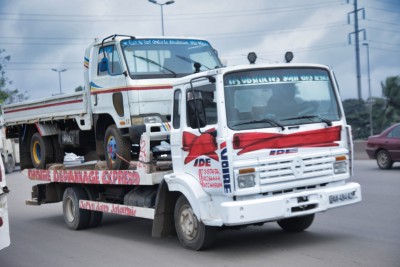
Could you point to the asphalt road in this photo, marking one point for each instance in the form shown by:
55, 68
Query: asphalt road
365, 234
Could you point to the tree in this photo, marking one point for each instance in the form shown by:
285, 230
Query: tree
357, 116
391, 93
378, 115
8, 95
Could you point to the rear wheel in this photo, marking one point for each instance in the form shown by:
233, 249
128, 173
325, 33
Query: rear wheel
296, 224
383, 159
74, 217
41, 151
117, 149
192, 233
95, 216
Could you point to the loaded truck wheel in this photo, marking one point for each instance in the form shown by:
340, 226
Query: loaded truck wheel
41, 151
117, 149
74, 217
58, 152
383, 159
297, 224
192, 233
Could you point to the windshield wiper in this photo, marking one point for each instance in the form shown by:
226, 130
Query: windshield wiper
328, 122
155, 63
191, 61
272, 122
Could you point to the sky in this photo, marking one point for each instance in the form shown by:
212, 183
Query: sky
41, 35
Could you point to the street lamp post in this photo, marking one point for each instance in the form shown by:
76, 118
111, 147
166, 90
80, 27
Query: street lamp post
59, 76
162, 12
370, 102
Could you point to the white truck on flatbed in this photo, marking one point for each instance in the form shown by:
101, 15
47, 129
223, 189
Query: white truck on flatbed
128, 83
244, 145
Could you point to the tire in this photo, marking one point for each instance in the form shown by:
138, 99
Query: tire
115, 143
9, 167
95, 216
41, 151
74, 217
58, 152
383, 159
192, 233
296, 224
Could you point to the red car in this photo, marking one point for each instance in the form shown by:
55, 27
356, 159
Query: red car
385, 147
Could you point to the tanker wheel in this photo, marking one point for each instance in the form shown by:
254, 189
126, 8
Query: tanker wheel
117, 149
192, 233
41, 151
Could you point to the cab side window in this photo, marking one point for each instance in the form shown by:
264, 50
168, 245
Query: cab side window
204, 98
114, 62
176, 119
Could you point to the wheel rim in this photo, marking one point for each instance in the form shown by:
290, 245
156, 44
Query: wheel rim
188, 223
383, 159
70, 210
37, 152
112, 148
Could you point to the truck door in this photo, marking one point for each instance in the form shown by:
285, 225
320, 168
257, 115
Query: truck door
108, 87
193, 137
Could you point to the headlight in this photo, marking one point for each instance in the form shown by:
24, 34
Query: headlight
144, 120
340, 167
245, 181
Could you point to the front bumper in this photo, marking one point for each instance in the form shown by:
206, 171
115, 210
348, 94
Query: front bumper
272, 208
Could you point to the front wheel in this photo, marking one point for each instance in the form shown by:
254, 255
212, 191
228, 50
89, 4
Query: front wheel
296, 224
192, 233
383, 159
117, 149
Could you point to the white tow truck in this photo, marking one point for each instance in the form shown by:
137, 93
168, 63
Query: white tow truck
244, 145
4, 225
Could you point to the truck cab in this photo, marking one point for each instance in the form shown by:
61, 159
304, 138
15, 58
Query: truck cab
259, 143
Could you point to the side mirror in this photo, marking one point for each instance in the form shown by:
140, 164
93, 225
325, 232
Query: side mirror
103, 65
196, 113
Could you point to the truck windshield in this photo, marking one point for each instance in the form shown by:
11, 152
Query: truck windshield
264, 98
167, 58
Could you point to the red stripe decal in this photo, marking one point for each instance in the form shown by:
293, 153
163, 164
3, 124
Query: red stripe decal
248, 142
138, 88
44, 106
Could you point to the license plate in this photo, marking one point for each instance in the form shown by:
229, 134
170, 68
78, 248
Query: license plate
342, 197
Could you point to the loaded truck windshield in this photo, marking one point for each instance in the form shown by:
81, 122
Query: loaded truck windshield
279, 97
166, 58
